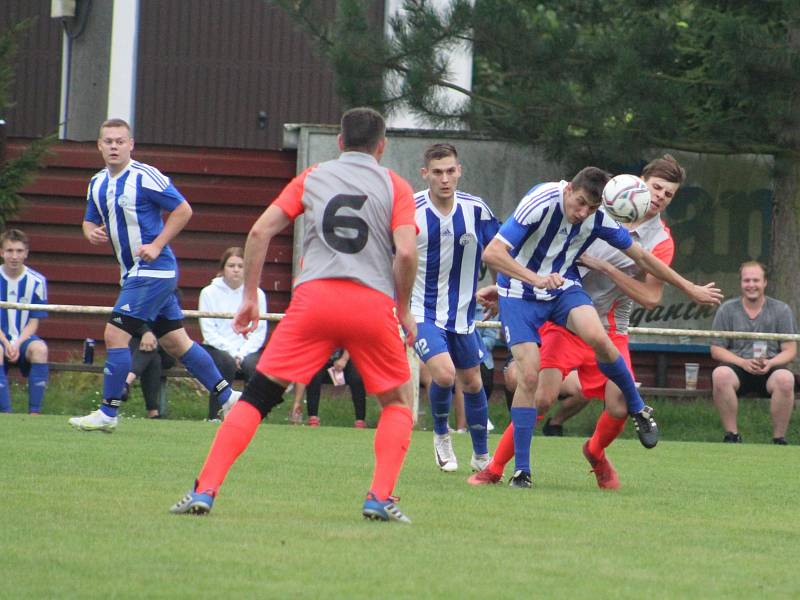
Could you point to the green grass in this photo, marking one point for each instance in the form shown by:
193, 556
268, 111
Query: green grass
680, 420
85, 515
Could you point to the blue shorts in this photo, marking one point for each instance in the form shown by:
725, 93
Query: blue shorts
462, 347
522, 319
149, 299
22, 362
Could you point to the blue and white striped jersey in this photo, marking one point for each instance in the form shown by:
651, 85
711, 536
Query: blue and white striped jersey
450, 248
130, 206
29, 288
540, 238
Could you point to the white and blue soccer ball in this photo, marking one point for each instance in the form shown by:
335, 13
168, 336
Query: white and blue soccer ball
626, 198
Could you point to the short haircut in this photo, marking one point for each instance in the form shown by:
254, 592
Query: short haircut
592, 180
232, 251
14, 235
114, 123
439, 151
362, 129
752, 263
667, 168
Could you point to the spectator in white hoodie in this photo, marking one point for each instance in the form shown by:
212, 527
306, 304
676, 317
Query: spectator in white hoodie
233, 353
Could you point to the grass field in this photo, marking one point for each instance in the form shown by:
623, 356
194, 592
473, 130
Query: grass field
86, 515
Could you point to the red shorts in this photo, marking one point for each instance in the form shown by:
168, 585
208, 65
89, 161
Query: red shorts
326, 314
565, 351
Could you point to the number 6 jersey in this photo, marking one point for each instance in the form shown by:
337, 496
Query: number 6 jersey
351, 207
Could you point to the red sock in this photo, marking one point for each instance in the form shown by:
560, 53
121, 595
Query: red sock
232, 438
504, 451
605, 432
392, 438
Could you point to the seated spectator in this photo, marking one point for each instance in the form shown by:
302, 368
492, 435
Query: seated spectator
149, 361
749, 366
21, 345
234, 354
342, 367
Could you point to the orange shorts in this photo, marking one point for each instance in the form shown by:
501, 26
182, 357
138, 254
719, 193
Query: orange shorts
326, 314
565, 351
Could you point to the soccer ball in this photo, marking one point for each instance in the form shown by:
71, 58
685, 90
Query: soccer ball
626, 198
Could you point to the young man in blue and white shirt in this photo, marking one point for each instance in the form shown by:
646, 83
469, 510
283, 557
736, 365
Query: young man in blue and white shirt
537, 254
21, 346
123, 206
454, 228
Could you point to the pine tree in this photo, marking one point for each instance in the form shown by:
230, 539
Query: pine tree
606, 81
17, 173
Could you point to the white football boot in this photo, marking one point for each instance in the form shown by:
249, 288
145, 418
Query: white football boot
95, 421
443, 451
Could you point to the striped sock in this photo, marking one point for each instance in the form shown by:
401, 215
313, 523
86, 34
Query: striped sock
392, 438
117, 367
619, 373
524, 420
477, 412
441, 398
606, 431
202, 367
37, 384
233, 436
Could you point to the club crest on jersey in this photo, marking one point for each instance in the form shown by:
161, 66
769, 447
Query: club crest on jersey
467, 239
124, 201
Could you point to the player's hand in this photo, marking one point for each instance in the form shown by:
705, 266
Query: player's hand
550, 282
409, 326
149, 252
149, 342
12, 352
98, 236
246, 318
488, 298
753, 366
706, 294
592, 262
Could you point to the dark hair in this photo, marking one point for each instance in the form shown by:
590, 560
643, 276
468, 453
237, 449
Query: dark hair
114, 123
232, 251
362, 129
667, 168
14, 235
592, 180
438, 151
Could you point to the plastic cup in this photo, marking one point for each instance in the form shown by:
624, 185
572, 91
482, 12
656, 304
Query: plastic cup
692, 371
759, 349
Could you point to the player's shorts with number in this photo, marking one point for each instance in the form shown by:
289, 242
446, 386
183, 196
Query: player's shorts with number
565, 351
326, 314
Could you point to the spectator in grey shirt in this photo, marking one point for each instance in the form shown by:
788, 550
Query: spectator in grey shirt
750, 366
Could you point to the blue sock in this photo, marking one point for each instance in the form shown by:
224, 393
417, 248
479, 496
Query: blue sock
477, 411
524, 420
5, 395
200, 364
619, 373
37, 384
117, 367
441, 398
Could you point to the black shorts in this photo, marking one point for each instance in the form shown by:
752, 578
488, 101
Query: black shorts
751, 384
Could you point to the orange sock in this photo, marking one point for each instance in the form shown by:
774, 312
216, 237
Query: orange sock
606, 431
392, 438
232, 438
504, 451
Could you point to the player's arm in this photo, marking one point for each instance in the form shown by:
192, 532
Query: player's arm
702, 294
96, 234
648, 293
174, 224
271, 222
497, 257
784, 357
404, 268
